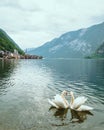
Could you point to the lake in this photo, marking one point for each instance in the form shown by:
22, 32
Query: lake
26, 85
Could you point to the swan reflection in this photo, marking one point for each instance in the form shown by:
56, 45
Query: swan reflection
79, 116
60, 113
76, 116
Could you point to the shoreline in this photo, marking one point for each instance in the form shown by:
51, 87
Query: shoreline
21, 57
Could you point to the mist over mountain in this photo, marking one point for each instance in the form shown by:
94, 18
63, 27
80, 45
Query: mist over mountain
73, 44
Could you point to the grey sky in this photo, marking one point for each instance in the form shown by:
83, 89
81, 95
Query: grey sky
30, 23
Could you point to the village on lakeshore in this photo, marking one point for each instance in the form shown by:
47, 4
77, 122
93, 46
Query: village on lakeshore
16, 55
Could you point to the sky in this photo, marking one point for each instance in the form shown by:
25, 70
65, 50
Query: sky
31, 23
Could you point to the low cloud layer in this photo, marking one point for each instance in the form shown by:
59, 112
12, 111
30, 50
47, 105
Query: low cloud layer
31, 23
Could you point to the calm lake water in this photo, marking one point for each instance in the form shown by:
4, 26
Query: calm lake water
25, 86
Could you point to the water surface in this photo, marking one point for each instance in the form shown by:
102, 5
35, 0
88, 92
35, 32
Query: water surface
25, 86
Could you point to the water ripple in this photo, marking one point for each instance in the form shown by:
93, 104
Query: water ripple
25, 86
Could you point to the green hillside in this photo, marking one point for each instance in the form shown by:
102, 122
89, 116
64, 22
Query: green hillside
7, 44
99, 53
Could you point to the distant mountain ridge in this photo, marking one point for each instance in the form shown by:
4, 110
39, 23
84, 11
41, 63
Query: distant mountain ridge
7, 44
74, 44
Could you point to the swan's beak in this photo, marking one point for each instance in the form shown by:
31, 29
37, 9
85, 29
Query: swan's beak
68, 94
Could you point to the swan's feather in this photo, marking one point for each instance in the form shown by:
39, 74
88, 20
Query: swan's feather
58, 100
84, 108
52, 103
78, 102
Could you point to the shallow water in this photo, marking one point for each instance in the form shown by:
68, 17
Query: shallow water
25, 86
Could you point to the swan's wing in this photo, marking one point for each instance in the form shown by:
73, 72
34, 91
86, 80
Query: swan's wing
58, 100
52, 103
79, 101
84, 108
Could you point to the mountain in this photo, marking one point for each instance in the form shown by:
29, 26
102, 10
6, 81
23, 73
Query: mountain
73, 44
7, 44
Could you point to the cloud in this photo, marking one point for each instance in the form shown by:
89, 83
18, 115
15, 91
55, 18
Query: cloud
33, 22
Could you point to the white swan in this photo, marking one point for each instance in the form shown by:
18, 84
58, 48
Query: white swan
59, 101
76, 104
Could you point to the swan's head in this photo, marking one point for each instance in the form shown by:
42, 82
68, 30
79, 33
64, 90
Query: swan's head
71, 93
64, 93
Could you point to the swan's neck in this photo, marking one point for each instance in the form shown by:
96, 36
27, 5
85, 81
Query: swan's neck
65, 101
72, 99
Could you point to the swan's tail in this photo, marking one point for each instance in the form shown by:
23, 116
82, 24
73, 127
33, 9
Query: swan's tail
52, 103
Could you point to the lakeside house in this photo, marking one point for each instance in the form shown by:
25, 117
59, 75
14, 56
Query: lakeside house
9, 55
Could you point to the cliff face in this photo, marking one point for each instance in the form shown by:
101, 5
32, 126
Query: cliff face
7, 44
